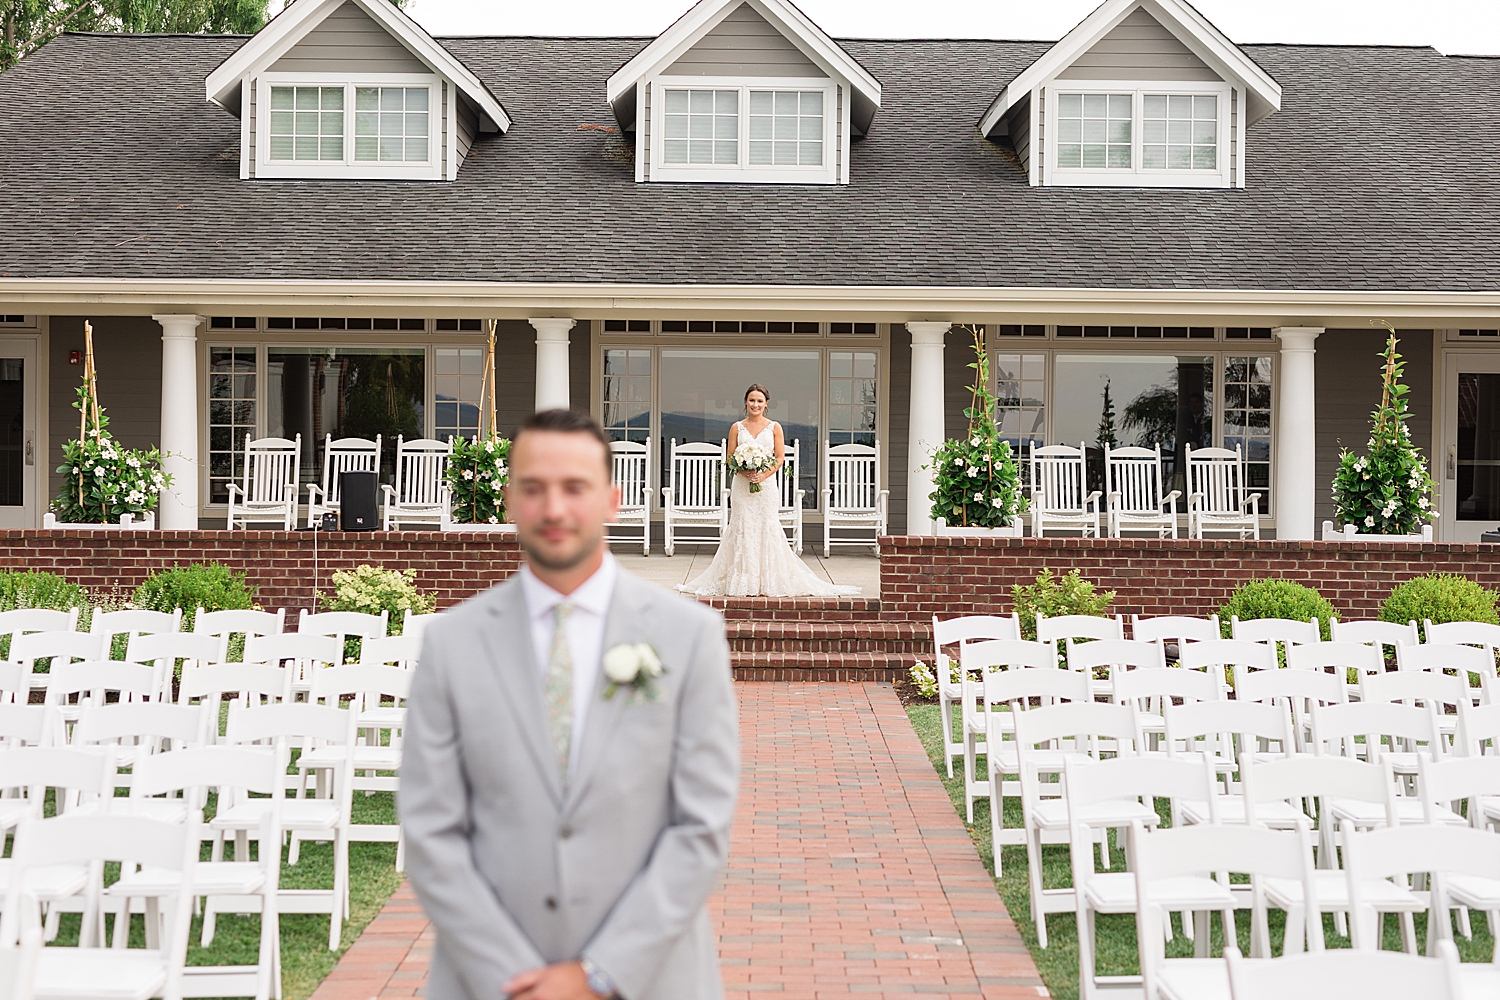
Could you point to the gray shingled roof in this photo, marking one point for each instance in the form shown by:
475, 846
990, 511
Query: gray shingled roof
1381, 171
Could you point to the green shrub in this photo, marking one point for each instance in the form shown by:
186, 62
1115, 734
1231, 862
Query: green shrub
210, 586
1276, 599
372, 590
1052, 595
27, 589
1440, 597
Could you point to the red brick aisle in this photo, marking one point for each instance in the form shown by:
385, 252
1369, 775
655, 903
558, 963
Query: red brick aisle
850, 872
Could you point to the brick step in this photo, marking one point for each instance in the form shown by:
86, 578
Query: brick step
756, 635
793, 609
809, 666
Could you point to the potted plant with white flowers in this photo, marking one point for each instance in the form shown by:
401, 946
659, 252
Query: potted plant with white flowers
1385, 494
103, 483
478, 468
977, 484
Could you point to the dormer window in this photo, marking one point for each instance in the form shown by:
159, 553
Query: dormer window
349, 128
1141, 136
752, 132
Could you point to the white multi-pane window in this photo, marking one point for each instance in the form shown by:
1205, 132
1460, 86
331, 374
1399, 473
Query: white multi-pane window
1180, 132
627, 394
458, 383
1247, 418
1094, 131
786, 128
391, 124
851, 397
702, 127
307, 123
1020, 397
231, 415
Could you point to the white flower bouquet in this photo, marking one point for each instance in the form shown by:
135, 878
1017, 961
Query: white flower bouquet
751, 457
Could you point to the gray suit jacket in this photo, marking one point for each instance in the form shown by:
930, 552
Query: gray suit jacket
514, 872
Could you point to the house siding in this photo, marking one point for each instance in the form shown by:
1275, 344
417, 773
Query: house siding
249, 131
349, 41
645, 125
1139, 48
468, 125
1018, 123
1347, 384
744, 44
1234, 136
127, 353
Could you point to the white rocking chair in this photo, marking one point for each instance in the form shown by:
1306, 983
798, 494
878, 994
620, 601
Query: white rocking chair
853, 500
790, 509
1216, 499
421, 494
1133, 480
697, 495
268, 490
1059, 492
339, 457
630, 462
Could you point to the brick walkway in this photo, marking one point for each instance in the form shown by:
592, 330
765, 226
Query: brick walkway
850, 872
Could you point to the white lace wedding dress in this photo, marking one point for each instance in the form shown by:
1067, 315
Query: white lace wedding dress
754, 559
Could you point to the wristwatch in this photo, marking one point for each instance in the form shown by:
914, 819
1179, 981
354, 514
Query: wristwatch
598, 980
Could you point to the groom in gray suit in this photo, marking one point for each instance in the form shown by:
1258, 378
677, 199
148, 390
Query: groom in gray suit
571, 759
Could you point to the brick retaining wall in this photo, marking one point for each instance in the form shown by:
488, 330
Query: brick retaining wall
285, 567
922, 576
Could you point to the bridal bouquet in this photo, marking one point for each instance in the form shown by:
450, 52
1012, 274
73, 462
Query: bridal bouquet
751, 457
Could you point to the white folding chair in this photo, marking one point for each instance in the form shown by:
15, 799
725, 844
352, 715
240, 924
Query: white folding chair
88, 972
1394, 735
1098, 795
267, 492
1149, 690
947, 632
789, 495
223, 625
20, 621
133, 622
345, 625
980, 659
1060, 497
1062, 629
245, 684
1283, 633
1299, 688
378, 750
1219, 733
1419, 687
18, 958
1474, 665
56, 647
1218, 501
1136, 502
237, 773
171, 653
695, 501
1098, 660
80, 779
1481, 634
327, 818
1087, 728
1386, 976
1478, 730
1378, 634
339, 457
630, 468
1007, 692
393, 650
1173, 632
1160, 858
137, 730
301, 654
416, 625
420, 495
853, 502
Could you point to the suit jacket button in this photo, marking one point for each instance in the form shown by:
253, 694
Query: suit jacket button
551, 902
565, 832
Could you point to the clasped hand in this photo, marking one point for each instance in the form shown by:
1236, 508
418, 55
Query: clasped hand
563, 981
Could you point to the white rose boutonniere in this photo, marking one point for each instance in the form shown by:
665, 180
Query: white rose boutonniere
633, 665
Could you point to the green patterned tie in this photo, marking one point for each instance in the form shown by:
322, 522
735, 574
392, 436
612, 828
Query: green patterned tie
560, 689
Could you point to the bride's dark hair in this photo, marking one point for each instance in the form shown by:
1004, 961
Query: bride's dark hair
757, 387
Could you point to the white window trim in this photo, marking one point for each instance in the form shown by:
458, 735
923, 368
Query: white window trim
1137, 175
349, 167
743, 172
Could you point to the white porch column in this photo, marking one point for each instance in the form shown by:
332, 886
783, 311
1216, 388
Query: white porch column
1296, 472
925, 432
552, 362
178, 509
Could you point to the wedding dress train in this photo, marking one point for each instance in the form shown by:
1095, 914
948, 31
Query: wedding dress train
754, 559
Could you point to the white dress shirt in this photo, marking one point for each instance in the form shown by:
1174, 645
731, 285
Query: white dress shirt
585, 633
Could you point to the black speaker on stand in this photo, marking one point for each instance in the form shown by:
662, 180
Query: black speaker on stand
357, 501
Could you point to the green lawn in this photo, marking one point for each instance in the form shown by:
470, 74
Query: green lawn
1058, 963
305, 958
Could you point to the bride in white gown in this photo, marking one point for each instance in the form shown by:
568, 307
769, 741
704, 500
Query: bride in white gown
754, 559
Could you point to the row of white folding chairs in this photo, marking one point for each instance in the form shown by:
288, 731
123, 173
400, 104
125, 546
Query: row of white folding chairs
1181, 631
1056, 737
1184, 869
